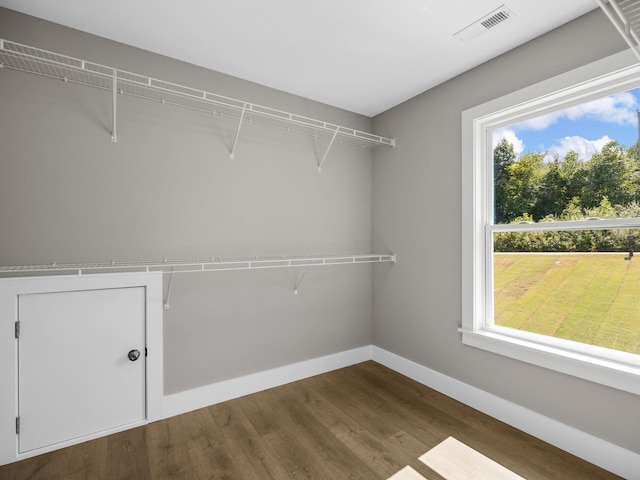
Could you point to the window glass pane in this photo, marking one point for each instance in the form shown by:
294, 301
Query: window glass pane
570, 164
576, 285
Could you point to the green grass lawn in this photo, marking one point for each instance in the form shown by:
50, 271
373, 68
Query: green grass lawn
588, 298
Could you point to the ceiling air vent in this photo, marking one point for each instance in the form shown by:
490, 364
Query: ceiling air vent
487, 22
494, 20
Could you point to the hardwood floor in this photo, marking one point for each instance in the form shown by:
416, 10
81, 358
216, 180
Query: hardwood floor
361, 422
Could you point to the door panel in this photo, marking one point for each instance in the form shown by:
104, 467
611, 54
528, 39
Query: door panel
74, 374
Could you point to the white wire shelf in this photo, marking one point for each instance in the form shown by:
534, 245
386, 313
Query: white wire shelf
29, 59
193, 266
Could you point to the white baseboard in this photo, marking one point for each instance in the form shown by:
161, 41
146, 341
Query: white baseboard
200, 397
588, 447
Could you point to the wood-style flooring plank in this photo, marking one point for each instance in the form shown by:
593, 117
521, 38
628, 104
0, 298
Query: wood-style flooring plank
87, 461
167, 447
362, 422
241, 441
384, 454
327, 455
128, 456
512, 448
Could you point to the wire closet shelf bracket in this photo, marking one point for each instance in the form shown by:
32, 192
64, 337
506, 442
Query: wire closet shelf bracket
29, 59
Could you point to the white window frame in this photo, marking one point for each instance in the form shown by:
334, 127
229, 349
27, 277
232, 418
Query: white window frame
616, 369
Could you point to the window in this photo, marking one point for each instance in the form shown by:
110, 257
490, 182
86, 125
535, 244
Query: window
550, 227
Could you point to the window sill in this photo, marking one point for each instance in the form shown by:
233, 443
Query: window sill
614, 369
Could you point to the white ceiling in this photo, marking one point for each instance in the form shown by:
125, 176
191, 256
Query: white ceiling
361, 55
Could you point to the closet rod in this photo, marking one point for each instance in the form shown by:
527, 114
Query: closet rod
29, 59
193, 266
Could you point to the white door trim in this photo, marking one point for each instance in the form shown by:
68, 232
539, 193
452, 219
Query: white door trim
11, 288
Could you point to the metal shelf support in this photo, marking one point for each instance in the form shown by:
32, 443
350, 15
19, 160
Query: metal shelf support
299, 282
114, 135
324, 157
165, 303
232, 155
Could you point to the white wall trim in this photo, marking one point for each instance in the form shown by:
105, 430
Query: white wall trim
11, 288
616, 73
588, 447
200, 397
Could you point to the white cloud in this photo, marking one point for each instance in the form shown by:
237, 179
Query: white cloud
619, 109
511, 137
583, 147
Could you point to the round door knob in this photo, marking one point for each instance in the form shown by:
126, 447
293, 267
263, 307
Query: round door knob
134, 355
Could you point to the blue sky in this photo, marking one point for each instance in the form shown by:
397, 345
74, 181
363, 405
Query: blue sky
584, 128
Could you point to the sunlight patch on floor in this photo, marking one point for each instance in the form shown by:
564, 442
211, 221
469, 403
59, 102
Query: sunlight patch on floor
456, 461
407, 473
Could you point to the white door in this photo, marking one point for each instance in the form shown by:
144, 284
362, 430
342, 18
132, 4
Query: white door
75, 377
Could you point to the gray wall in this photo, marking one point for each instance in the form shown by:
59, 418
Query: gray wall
417, 214
169, 189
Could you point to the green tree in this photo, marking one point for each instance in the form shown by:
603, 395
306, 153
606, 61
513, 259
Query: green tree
567, 188
574, 174
563, 181
523, 185
503, 157
551, 198
612, 174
